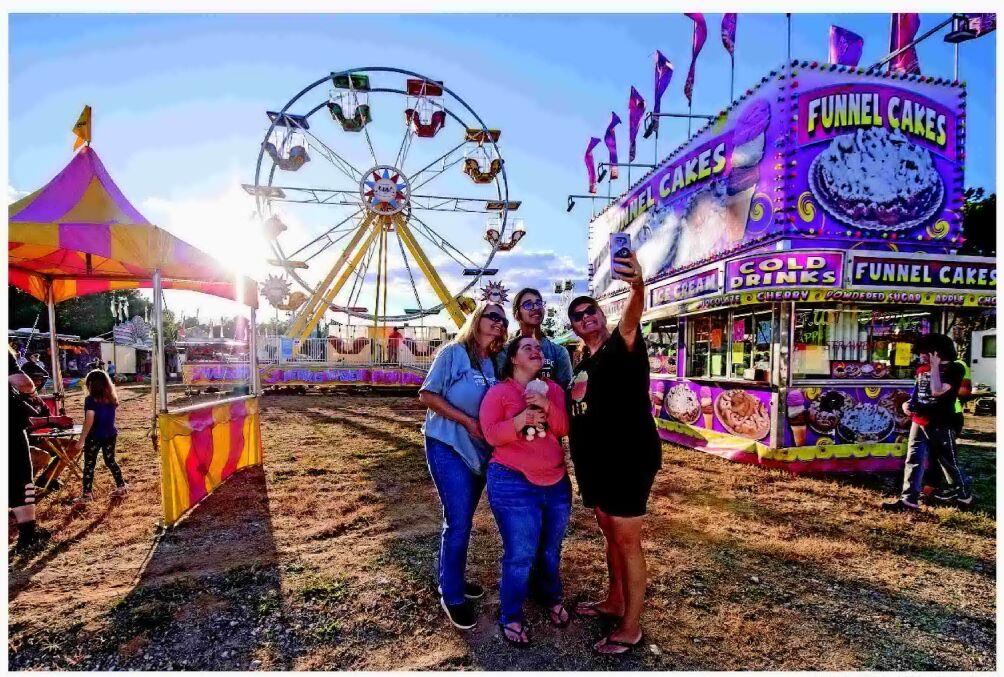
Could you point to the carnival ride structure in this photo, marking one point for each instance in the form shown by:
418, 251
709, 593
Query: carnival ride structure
441, 170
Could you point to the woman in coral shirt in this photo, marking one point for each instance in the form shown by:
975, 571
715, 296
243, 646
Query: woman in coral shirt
528, 487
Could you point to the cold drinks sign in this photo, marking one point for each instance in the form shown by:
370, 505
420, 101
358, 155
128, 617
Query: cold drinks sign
785, 269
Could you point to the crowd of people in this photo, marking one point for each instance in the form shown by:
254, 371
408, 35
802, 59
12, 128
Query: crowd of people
487, 428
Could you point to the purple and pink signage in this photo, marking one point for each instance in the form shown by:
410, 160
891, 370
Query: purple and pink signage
692, 286
893, 271
822, 153
785, 269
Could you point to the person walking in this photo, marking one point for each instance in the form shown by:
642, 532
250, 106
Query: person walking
615, 449
933, 422
458, 379
528, 312
99, 433
22, 404
528, 487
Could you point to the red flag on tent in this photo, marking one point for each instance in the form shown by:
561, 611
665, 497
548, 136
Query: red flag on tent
904, 30
610, 139
845, 46
636, 108
663, 74
729, 33
590, 163
700, 35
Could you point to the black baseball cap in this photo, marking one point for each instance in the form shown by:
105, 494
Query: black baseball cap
580, 300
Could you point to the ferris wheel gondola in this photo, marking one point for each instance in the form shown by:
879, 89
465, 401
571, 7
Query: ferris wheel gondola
386, 200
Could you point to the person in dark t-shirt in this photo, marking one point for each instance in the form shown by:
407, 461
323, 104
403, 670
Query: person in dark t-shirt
932, 432
615, 448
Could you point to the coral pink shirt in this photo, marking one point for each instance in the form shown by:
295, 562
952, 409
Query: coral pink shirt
541, 460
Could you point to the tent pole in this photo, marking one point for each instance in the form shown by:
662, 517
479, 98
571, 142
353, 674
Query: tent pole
158, 320
56, 373
253, 345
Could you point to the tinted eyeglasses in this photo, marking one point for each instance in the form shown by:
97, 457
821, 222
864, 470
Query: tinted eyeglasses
532, 305
495, 317
577, 315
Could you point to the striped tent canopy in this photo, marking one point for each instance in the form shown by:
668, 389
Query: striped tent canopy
81, 233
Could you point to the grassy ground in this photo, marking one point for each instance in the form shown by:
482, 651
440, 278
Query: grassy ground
325, 560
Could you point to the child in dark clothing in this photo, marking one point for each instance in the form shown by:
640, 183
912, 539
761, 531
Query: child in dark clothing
932, 432
99, 432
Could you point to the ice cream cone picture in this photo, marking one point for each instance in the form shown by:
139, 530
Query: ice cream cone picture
750, 140
658, 394
797, 417
706, 408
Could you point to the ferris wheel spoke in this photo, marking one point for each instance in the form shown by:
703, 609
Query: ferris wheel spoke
316, 196
449, 302
329, 243
369, 142
358, 282
334, 158
429, 167
411, 277
441, 242
327, 233
402, 151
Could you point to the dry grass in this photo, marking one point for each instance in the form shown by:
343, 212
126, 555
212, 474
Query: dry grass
326, 560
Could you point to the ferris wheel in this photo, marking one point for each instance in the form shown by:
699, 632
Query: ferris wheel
373, 165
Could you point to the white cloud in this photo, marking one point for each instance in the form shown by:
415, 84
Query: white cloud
13, 194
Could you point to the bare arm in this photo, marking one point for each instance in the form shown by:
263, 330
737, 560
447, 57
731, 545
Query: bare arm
629, 270
937, 387
438, 404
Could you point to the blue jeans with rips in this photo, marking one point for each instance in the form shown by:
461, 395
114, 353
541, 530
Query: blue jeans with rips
532, 520
459, 491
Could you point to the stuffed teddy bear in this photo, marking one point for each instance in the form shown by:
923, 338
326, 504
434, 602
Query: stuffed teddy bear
540, 388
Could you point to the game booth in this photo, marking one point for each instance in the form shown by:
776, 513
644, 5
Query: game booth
80, 235
794, 250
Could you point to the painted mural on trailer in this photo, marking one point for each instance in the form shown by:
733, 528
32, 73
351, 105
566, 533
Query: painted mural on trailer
827, 154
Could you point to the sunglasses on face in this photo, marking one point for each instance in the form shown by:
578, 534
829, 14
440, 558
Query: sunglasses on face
577, 315
495, 317
532, 305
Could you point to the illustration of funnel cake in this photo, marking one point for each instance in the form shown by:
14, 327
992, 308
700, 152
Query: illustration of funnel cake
797, 416
706, 408
750, 137
874, 178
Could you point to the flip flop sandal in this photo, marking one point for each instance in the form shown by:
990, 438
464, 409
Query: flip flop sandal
590, 610
515, 642
628, 646
555, 617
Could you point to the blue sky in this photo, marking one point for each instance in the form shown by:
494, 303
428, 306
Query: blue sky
179, 104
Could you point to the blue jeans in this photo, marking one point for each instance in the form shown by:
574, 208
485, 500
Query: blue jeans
532, 521
935, 446
459, 491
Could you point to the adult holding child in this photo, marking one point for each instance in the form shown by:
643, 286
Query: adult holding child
460, 376
615, 448
530, 494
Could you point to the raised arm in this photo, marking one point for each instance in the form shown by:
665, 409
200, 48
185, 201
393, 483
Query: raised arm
629, 270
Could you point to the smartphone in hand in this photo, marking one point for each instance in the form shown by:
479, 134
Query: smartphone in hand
620, 248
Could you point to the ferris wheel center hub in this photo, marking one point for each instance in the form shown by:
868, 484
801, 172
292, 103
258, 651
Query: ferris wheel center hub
385, 190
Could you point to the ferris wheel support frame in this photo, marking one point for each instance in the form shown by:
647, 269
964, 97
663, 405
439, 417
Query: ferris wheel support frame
449, 302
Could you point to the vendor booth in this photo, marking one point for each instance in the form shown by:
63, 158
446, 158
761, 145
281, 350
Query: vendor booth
794, 250
79, 235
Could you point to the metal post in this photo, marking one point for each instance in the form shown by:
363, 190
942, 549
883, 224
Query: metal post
56, 373
956, 78
788, 17
732, 76
158, 320
690, 115
253, 348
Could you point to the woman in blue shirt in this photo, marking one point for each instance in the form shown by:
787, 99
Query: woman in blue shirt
460, 375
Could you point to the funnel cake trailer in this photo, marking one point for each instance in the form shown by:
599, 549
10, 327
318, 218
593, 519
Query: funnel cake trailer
794, 249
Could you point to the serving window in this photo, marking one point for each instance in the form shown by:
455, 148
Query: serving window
730, 344
663, 342
844, 342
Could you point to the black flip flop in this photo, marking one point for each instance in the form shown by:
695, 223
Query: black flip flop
628, 646
552, 615
513, 642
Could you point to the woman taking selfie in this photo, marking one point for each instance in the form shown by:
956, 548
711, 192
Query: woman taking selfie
528, 486
461, 373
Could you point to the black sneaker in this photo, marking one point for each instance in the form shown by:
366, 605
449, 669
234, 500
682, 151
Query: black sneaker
471, 591
958, 497
900, 505
461, 615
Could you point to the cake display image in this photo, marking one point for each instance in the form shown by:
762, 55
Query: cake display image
874, 178
893, 403
682, 404
797, 416
865, 422
826, 410
743, 414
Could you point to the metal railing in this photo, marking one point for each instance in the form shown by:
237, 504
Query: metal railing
355, 351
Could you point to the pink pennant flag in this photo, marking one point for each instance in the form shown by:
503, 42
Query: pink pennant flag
729, 33
610, 139
590, 163
636, 109
845, 46
663, 74
700, 35
904, 30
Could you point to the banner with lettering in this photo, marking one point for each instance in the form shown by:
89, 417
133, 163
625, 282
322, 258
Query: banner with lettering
200, 449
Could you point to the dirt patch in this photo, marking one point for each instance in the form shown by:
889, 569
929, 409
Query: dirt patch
325, 559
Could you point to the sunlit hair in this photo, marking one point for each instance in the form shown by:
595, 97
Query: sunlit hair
100, 387
510, 352
468, 334
518, 299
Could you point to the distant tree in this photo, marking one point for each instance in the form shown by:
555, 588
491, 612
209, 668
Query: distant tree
550, 326
23, 309
979, 223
